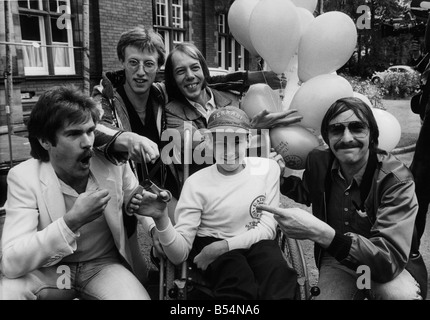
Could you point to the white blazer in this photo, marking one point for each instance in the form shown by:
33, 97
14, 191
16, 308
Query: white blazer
31, 234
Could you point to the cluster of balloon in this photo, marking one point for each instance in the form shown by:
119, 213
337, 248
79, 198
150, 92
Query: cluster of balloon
306, 51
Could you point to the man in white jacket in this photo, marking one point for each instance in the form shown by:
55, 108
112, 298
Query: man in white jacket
64, 235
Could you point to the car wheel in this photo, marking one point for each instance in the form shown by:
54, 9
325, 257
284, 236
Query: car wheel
376, 80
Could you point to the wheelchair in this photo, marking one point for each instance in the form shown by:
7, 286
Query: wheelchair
185, 281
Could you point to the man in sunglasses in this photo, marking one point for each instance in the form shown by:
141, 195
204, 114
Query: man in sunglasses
364, 209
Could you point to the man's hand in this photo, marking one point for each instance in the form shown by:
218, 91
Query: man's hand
299, 224
88, 207
149, 204
136, 146
210, 253
268, 120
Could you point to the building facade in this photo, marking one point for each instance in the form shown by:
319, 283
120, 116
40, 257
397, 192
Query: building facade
47, 40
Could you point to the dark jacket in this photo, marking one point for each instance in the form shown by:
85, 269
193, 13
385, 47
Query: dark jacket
391, 205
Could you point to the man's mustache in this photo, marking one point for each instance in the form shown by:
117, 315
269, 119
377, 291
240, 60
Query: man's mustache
87, 154
342, 145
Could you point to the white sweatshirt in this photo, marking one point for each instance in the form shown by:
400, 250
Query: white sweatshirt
215, 205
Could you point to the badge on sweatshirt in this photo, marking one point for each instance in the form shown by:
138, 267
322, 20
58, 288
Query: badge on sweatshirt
256, 214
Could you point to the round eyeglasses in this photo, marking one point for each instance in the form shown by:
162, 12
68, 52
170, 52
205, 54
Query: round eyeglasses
148, 66
356, 128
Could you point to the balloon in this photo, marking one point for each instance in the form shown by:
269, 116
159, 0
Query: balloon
293, 143
309, 5
274, 28
389, 129
238, 20
260, 97
315, 96
327, 44
305, 18
363, 98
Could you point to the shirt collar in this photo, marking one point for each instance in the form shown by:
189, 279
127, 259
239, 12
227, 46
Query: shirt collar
92, 185
358, 177
207, 109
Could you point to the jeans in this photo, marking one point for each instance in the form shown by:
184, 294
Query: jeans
99, 279
338, 282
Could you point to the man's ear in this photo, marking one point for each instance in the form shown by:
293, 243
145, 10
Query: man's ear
44, 143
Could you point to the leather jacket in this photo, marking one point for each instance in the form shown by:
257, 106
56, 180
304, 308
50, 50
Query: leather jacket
391, 205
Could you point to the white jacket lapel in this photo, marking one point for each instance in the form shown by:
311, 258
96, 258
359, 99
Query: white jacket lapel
51, 192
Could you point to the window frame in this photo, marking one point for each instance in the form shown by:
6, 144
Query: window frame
47, 45
231, 54
168, 24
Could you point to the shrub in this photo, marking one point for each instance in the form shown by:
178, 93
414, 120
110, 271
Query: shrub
401, 85
372, 91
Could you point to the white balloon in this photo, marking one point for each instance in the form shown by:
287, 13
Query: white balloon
389, 127
238, 17
316, 95
363, 98
326, 45
274, 29
305, 18
293, 143
259, 97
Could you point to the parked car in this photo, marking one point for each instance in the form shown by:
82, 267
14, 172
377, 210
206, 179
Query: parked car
378, 77
217, 71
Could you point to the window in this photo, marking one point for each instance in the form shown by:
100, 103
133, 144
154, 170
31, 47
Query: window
230, 53
169, 21
47, 32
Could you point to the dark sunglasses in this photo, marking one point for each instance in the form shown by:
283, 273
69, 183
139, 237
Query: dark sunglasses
356, 128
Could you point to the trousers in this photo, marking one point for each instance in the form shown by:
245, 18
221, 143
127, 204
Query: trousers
259, 272
338, 282
99, 279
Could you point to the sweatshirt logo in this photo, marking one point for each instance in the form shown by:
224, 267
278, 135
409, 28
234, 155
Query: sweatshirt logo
255, 214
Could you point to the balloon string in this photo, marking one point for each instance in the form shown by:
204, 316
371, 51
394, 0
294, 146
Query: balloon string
281, 94
282, 90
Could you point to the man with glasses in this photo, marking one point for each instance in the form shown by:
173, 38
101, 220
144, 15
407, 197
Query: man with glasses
364, 209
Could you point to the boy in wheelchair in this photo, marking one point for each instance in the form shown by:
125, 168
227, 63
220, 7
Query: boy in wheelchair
217, 224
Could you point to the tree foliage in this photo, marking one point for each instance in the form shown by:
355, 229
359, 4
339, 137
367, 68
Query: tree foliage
375, 50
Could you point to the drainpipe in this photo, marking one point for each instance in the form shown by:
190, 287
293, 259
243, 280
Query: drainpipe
86, 49
8, 76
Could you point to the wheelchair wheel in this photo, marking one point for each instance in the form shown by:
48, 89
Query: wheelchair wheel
293, 254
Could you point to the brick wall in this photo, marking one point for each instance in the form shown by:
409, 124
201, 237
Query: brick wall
115, 18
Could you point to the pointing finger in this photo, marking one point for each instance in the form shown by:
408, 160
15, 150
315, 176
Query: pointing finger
270, 209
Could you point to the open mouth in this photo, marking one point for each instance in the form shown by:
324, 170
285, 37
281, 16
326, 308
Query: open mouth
191, 86
85, 159
140, 81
